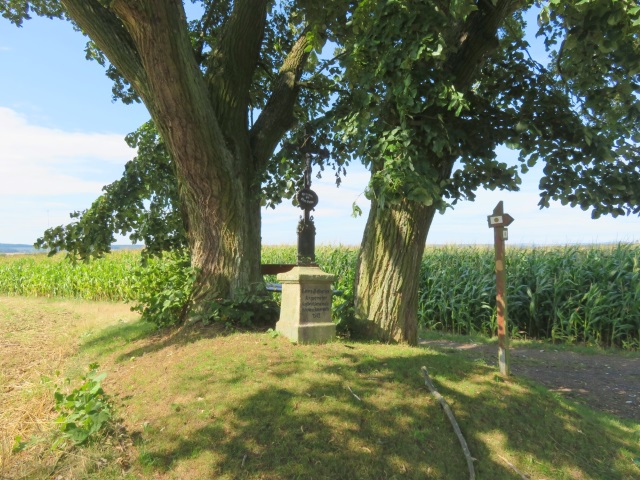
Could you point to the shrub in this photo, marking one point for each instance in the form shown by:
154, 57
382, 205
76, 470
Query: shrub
162, 288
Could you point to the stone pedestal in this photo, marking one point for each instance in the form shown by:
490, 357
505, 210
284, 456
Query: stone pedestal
305, 313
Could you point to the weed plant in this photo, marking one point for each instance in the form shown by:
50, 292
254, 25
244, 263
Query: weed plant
84, 411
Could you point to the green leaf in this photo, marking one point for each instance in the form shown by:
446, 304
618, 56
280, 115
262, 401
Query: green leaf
356, 211
18, 445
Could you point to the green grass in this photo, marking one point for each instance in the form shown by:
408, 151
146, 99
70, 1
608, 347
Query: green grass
207, 403
252, 406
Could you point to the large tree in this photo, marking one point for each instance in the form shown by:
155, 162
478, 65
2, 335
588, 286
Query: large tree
201, 81
435, 86
426, 91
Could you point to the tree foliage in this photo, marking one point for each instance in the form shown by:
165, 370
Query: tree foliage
432, 83
143, 205
431, 89
290, 86
402, 94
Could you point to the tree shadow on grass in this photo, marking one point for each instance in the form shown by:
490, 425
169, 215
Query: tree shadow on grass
563, 439
147, 338
114, 337
369, 416
272, 435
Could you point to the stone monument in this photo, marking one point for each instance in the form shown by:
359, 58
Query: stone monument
305, 312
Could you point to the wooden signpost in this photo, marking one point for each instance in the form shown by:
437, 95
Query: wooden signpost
499, 221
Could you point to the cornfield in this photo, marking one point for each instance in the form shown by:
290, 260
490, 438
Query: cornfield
572, 294
568, 294
109, 278
587, 294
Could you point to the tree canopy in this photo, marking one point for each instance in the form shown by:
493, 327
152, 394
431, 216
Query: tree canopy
430, 81
421, 91
398, 61
287, 85
434, 87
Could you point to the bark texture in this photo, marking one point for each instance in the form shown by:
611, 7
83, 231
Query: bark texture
200, 106
386, 281
215, 169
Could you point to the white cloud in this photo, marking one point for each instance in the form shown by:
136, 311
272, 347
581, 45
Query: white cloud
45, 173
36, 160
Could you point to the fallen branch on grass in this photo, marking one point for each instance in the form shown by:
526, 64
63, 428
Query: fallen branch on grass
445, 406
357, 397
515, 469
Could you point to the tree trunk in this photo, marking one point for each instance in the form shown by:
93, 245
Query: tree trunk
214, 163
202, 118
386, 282
203, 125
224, 236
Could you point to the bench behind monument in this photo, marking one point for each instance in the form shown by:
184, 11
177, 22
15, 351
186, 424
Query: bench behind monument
275, 268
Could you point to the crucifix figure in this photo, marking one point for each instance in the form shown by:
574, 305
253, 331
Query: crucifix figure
307, 199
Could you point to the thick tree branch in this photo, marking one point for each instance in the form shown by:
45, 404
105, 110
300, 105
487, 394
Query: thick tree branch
233, 61
108, 33
277, 116
179, 103
478, 39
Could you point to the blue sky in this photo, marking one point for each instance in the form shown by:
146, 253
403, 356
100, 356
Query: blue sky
62, 138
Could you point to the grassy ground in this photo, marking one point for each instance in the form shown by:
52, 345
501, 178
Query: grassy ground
216, 404
40, 345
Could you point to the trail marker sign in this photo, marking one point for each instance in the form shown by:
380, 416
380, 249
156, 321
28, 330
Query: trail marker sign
503, 220
499, 220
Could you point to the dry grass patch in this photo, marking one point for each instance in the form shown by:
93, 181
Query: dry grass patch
38, 339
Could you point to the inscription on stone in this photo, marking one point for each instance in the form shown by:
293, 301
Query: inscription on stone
316, 304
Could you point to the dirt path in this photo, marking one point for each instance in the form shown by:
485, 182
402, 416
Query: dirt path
605, 382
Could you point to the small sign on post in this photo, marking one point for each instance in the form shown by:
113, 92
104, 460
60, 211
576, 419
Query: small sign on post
499, 221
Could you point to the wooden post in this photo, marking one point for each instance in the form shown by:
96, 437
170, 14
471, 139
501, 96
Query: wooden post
499, 220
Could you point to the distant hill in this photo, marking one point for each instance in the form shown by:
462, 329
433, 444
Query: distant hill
20, 248
16, 248
127, 247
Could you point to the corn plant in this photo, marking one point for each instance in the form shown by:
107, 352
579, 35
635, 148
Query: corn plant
108, 278
569, 294
588, 294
